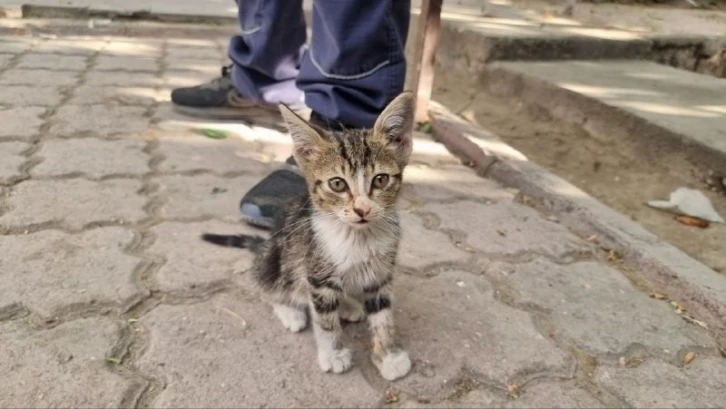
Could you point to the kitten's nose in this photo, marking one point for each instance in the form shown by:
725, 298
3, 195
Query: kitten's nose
362, 211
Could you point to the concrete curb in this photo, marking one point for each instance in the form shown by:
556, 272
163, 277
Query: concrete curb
667, 269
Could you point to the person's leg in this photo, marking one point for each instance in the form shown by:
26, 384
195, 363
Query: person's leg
355, 66
265, 56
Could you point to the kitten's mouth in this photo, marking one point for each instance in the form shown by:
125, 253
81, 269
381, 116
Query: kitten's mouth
361, 221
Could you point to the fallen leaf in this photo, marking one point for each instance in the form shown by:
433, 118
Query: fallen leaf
622, 362
657, 296
688, 357
218, 190
116, 361
131, 320
513, 390
526, 200
693, 221
391, 396
593, 239
695, 321
425, 127
677, 307
502, 233
213, 133
614, 255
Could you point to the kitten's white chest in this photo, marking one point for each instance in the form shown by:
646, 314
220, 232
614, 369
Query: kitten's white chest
358, 255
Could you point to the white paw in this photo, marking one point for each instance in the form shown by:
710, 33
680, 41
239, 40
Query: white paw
337, 360
394, 365
351, 311
293, 319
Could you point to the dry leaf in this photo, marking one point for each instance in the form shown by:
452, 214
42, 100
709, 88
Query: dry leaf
513, 390
526, 200
622, 362
692, 221
695, 321
391, 396
593, 239
613, 256
502, 233
657, 296
677, 307
688, 357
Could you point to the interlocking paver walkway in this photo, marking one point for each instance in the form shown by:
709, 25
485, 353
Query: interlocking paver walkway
110, 299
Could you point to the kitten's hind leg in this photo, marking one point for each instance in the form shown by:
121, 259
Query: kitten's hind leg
294, 319
352, 310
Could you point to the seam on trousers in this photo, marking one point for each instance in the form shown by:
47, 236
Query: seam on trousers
345, 77
251, 31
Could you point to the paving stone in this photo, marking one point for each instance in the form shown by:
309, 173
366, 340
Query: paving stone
92, 95
106, 62
192, 264
421, 247
101, 120
146, 48
655, 384
20, 122
77, 202
50, 270
188, 197
596, 308
206, 66
186, 78
18, 76
53, 62
92, 157
554, 395
187, 153
238, 355
199, 53
427, 151
24, 95
445, 182
14, 47
452, 321
506, 228
122, 79
5, 59
62, 367
70, 46
10, 160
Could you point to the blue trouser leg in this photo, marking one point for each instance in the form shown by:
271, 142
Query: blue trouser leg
356, 64
268, 51
354, 67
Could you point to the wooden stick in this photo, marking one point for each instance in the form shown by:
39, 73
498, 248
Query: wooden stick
427, 40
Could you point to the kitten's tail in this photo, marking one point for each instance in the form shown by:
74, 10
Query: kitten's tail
242, 241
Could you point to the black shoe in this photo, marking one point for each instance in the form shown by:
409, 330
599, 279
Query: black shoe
219, 99
265, 201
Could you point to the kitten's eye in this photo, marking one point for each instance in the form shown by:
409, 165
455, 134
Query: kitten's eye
380, 181
337, 185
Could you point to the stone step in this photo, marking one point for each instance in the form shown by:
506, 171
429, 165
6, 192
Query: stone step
671, 111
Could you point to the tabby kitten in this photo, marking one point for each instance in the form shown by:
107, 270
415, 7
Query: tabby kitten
335, 249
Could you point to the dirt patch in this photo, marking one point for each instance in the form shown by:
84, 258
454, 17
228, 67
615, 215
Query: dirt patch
612, 171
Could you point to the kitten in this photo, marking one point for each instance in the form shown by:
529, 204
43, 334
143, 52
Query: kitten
335, 249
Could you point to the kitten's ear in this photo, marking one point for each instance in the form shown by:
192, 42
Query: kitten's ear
395, 126
306, 138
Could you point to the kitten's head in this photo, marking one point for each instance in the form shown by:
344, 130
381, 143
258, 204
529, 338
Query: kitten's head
355, 175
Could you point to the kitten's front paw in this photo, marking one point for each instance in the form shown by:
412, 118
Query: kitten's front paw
394, 365
293, 319
337, 360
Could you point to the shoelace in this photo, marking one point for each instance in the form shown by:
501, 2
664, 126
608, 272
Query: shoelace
221, 82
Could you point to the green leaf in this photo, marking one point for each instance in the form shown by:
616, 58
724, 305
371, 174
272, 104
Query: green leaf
425, 127
214, 133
